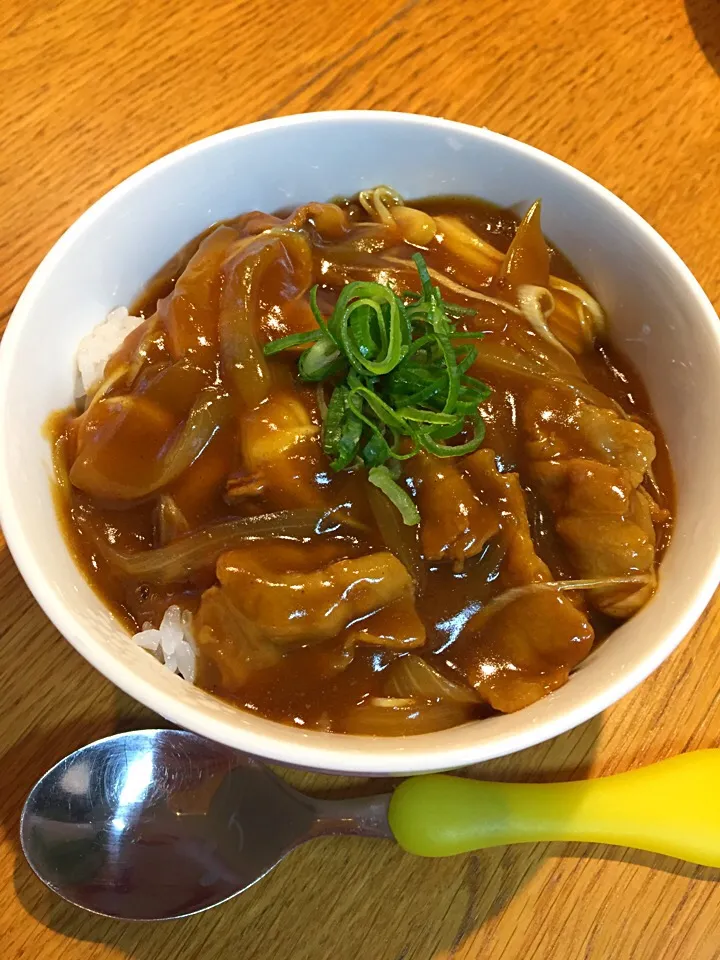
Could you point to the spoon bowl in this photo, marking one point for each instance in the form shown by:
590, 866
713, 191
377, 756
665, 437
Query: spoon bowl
158, 824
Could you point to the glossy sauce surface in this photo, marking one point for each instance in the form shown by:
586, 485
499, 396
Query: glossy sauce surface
508, 525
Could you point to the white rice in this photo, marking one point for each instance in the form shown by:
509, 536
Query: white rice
172, 643
98, 346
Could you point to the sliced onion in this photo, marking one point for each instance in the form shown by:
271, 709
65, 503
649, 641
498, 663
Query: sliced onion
530, 300
404, 716
106, 385
208, 414
457, 288
392, 702
242, 357
340, 271
141, 352
501, 358
411, 676
595, 583
590, 304
398, 537
183, 558
243, 360
470, 247
527, 260
462, 241
571, 324
171, 521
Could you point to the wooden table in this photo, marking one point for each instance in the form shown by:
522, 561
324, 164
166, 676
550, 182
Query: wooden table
626, 91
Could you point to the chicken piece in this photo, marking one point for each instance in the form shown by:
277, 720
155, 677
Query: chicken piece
396, 627
503, 492
588, 464
199, 490
454, 524
525, 648
169, 520
260, 610
524, 643
303, 607
281, 424
616, 441
230, 649
560, 428
606, 523
281, 453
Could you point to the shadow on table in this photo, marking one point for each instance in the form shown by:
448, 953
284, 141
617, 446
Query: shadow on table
704, 18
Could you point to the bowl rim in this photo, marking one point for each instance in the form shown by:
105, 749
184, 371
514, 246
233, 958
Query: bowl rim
403, 755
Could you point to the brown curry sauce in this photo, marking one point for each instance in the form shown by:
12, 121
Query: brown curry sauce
301, 686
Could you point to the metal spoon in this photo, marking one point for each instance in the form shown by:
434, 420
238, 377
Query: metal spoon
157, 824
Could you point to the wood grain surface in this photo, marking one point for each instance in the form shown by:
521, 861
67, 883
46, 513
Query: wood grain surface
629, 92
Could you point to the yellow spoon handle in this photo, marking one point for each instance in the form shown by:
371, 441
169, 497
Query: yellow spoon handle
671, 807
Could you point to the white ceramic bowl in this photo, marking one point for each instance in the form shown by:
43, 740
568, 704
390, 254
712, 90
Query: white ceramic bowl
660, 318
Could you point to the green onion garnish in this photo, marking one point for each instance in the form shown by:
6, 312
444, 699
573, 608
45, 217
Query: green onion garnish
401, 382
399, 497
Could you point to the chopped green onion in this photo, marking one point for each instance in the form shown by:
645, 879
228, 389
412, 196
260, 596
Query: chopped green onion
319, 319
460, 450
425, 281
376, 451
426, 416
381, 478
401, 375
294, 340
332, 425
382, 410
342, 430
348, 443
480, 388
467, 361
453, 310
322, 360
381, 312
